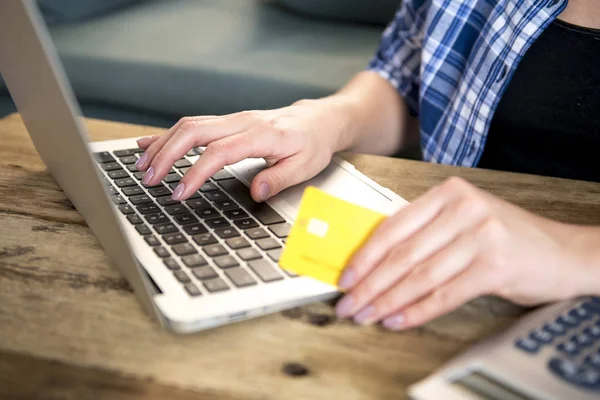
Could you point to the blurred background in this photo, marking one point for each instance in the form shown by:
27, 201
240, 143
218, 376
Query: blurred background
151, 62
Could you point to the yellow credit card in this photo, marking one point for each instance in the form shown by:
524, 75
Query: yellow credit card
325, 235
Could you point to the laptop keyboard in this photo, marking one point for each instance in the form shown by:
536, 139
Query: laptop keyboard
219, 239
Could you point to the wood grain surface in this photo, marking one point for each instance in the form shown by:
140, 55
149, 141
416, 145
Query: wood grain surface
70, 327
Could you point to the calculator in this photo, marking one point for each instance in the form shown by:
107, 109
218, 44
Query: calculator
552, 353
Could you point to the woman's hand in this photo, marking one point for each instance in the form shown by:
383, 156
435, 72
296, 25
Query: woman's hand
296, 141
456, 243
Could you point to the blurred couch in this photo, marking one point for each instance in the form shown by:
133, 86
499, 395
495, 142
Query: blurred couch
152, 62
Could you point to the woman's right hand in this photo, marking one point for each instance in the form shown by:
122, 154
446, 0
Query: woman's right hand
297, 143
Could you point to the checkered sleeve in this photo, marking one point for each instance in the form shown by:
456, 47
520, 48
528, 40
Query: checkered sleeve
398, 58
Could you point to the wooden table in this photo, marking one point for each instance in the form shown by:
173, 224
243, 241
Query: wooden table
70, 327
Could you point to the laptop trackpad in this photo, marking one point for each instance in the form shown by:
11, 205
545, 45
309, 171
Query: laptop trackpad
334, 179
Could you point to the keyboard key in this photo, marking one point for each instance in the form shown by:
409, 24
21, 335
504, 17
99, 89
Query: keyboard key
237, 243
132, 190
192, 152
151, 240
160, 191
167, 201
176, 209
128, 159
265, 271
206, 213
124, 182
121, 173
195, 229
171, 264
214, 250
216, 285
170, 178
274, 254
217, 195
225, 233
281, 230
226, 205
203, 273
161, 252
528, 344
236, 213
149, 208
215, 223
126, 209
226, 262
139, 175
157, 218
193, 260
240, 277
111, 166
198, 204
182, 277
182, 163
184, 170
192, 290
143, 229
248, 254
261, 211
221, 175
184, 249
134, 219
256, 233
174, 238
185, 219
165, 228
246, 223
112, 190
569, 348
127, 152
208, 187
118, 199
103, 157
542, 336
268, 244
140, 199
132, 168
204, 239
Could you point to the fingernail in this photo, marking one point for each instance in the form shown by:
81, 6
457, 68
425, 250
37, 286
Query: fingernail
141, 161
363, 316
148, 175
347, 280
178, 191
142, 140
394, 322
344, 307
263, 191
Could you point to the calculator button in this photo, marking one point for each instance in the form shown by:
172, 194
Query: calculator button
591, 307
593, 360
582, 340
580, 313
541, 336
593, 331
576, 374
528, 344
555, 328
569, 348
568, 321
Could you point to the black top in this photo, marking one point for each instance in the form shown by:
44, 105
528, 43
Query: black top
548, 120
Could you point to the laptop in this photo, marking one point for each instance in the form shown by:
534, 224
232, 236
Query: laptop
194, 265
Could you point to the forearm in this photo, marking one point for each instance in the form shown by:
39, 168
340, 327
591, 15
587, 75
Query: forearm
378, 120
584, 243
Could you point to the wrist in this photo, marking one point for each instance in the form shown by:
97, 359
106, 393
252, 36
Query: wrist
585, 250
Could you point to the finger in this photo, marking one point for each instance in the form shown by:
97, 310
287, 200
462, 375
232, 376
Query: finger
396, 229
145, 142
458, 291
422, 279
195, 133
253, 143
144, 161
285, 173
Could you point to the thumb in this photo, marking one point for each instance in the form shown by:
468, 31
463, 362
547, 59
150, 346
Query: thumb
283, 174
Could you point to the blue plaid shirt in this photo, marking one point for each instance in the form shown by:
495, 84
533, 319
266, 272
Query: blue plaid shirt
452, 59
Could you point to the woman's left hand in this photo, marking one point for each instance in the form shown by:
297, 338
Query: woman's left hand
456, 243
